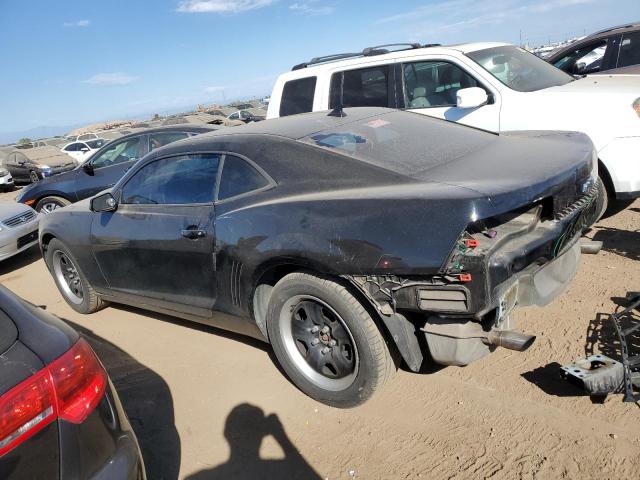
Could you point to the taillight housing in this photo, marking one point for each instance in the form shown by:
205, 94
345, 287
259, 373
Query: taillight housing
69, 388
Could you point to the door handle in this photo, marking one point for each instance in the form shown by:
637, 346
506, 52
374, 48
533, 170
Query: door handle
193, 234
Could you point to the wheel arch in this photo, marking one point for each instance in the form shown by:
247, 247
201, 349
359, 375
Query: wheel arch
269, 274
603, 173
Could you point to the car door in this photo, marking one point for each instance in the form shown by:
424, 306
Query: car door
430, 88
20, 165
108, 165
157, 248
74, 151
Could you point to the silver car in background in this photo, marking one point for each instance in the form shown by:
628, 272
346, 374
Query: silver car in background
18, 228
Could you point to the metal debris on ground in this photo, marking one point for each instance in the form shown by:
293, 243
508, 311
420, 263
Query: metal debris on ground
600, 375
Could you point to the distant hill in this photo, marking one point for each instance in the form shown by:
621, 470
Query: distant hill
33, 133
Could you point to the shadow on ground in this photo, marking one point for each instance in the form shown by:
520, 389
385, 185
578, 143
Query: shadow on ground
147, 400
20, 260
245, 428
625, 243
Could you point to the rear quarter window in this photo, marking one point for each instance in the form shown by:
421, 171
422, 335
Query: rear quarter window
297, 96
239, 177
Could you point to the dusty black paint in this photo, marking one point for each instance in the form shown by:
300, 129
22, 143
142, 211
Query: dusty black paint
326, 210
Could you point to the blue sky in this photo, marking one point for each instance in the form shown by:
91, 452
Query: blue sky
73, 62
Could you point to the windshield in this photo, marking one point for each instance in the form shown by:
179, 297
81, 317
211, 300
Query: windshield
519, 70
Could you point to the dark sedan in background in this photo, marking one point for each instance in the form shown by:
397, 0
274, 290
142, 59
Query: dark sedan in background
103, 169
340, 238
603, 51
33, 164
60, 417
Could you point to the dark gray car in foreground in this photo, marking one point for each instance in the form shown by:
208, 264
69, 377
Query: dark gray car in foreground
340, 238
60, 417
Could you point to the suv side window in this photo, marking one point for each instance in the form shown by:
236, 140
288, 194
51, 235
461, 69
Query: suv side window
187, 179
434, 83
157, 140
124, 151
580, 61
629, 50
239, 177
297, 96
365, 87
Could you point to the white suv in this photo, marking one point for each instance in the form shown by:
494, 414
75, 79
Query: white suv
493, 86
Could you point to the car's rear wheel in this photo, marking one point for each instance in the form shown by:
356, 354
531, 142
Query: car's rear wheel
71, 282
33, 176
49, 204
326, 341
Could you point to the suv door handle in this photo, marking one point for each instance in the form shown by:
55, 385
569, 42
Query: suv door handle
193, 234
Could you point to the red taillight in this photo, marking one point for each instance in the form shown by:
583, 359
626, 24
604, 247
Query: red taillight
69, 388
26, 409
79, 382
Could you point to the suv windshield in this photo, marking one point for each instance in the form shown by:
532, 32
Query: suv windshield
519, 70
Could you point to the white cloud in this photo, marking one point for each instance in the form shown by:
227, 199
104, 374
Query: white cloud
79, 23
312, 7
117, 78
221, 6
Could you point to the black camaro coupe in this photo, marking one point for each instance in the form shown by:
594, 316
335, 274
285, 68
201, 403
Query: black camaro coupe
346, 239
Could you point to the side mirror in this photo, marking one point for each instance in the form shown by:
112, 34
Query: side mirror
88, 168
472, 97
84, 149
104, 203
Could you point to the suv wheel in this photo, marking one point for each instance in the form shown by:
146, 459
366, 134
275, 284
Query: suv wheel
326, 341
49, 204
70, 280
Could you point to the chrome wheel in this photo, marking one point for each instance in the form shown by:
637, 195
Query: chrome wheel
319, 342
34, 177
50, 207
68, 278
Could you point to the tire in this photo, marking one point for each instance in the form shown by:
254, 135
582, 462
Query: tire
77, 292
353, 367
49, 204
33, 177
603, 199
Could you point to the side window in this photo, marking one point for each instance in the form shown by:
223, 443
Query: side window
157, 140
124, 151
179, 180
629, 50
72, 148
234, 116
239, 177
583, 60
297, 96
434, 83
366, 87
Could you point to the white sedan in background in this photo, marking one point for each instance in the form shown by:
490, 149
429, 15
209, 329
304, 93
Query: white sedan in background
18, 228
80, 151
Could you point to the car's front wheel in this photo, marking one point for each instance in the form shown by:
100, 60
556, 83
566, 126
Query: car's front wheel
49, 204
71, 282
326, 341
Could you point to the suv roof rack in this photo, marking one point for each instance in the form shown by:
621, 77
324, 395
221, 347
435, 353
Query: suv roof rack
367, 52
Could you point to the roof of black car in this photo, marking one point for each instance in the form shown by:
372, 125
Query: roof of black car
299, 126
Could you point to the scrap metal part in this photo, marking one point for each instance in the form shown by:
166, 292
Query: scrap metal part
596, 374
627, 322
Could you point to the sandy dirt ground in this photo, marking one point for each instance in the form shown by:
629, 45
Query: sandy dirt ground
207, 404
